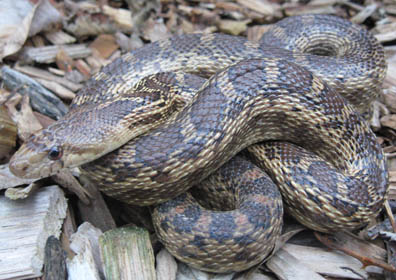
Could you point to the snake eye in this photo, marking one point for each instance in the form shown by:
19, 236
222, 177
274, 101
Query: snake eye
55, 153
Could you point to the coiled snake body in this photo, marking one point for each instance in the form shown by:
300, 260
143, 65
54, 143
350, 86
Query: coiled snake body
319, 150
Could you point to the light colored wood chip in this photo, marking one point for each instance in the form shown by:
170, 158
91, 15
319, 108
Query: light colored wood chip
233, 27
85, 244
389, 97
58, 37
261, 6
330, 263
389, 121
42, 74
82, 266
288, 267
58, 89
121, 17
364, 14
386, 32
155, 30
166, 266
48, 54
127, 254
83, 67
259, 276
314, 7
21, 193
186, 272
25, 226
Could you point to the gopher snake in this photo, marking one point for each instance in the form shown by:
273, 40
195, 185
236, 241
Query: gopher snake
332, 177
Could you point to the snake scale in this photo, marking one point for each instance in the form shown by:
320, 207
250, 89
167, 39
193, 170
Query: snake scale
146, 129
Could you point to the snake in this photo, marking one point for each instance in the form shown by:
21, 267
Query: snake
240, 120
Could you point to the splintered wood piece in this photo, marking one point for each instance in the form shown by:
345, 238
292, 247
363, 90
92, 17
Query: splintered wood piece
122, 17
368, 254
54, 260
330, 263
25, 226
85, 244
66, 179
261, 6
127, 254
288, 267
25, 119
42, 74
41, 99
386, 32
166, 266
96, 212
186, 272
58, 89
48, 54
59, 37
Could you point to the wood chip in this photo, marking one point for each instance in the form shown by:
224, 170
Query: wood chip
314, 7
58, 37
387, 32
24, 118
389, 97
42, 74
58, 89
105, 44
54, 260
87, 261
48, 54
64, 61
122, 17
41, 99
364, 14
127, 254
330, 263
66, 179
166, 266
96, 212
83, 67
288, 267
24, 228
261, 6
155, 30
186, 272
389, 121
21, 193
233, 27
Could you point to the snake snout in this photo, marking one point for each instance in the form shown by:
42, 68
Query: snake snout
18, 168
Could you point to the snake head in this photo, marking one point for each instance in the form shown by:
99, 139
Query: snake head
40, 156
48, 151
